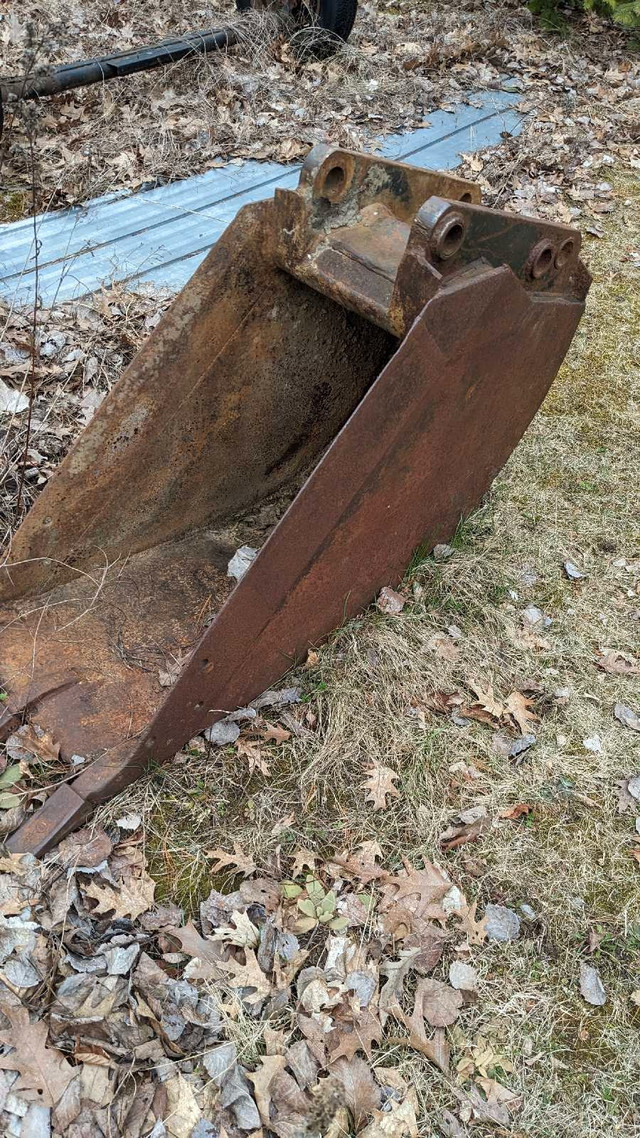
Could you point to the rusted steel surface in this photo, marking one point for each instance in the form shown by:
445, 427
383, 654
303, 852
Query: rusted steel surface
272, 372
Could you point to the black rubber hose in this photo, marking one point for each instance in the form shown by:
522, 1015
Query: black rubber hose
117, 66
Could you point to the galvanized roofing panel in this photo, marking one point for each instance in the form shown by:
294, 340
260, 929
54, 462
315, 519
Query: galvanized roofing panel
161, 235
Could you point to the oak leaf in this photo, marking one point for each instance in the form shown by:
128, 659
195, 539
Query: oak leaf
303, 857
194, 944
425, 886
247, 975
262, 1079
364, 1030
272, 733
618, 663
398, 1122
362, 864
487, 700
242, 861
476, 930
253, 754
436, 1049
518, 707
45, 1074
131, 899
379, 784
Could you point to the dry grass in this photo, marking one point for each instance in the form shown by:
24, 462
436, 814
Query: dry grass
569, 491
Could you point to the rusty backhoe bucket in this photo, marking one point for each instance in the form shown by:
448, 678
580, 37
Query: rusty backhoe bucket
338, 384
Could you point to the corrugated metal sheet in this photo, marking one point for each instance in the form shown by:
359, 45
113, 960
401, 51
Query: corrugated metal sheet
162, 235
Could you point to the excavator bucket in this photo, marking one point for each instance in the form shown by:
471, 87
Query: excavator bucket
337, 385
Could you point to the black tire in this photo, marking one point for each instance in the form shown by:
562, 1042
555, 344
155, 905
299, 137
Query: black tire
334, 16
338, 16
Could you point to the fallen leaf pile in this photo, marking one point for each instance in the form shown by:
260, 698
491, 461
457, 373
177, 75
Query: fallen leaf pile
118, 1018
261, 101
80, 350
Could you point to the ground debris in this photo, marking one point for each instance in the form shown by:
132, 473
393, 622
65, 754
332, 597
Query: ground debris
144, 1001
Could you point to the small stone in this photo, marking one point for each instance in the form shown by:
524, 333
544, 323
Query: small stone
533, 615
591, 986
502, 924
593, 743
454, 901
240, 562
520, 745
627, 716
633, 786
528, 912
442, 552
572, 571
129, 822
463, 977
222, 733
390, 602
12, 402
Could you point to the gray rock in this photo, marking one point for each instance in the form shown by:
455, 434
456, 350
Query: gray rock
241, 560
502, 924
442, 552
222, 733
591, 986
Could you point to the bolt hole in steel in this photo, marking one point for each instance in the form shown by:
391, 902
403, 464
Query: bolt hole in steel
448, 237
565, 253
334, 183
542, 260
466, 198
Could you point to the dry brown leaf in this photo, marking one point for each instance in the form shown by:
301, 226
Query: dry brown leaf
441, 1004
361, 1094
303, 857
247, 975
513, 813
262, 1079
399, 1122
45, 1074
423, 886
497, 1093
252, 753
360, 1034
618, 663
194, 944
36, 742
379, 784
437, 1049
395, 971
476, 930
465, 832
131, 899
272, 733
362, 864
87, 847
518, 707
444, 647
487, 699
238, 858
